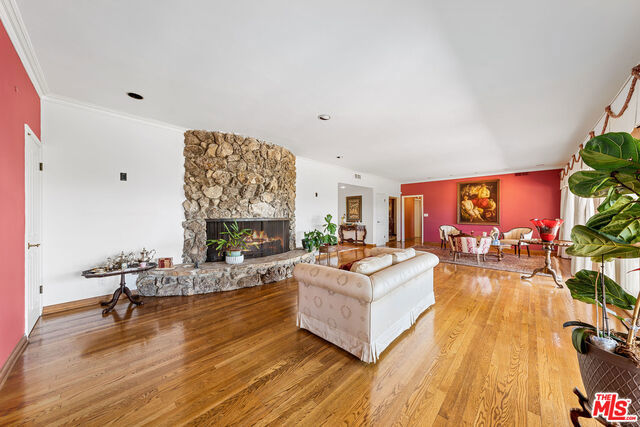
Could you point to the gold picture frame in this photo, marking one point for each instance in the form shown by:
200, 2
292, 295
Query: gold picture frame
478, 202
354, 209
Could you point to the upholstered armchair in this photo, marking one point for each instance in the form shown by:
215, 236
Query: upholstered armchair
469, 245
514, 238
445, 232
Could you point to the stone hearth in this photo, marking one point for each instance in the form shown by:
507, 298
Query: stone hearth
219, 276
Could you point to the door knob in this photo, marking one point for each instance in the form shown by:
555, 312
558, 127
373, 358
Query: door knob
34, 245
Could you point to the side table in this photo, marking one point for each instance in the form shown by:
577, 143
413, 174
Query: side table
547, 269
135, 299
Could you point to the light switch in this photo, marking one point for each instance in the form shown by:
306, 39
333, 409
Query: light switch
426, 215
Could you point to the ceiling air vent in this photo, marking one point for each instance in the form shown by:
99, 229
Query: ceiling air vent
357, 176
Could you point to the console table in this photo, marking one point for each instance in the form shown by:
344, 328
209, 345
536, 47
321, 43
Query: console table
359, 233
136, 299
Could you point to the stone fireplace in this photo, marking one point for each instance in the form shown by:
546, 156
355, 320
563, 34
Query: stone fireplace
269, 236
233, 177
230, 178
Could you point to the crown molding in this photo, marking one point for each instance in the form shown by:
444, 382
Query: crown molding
483, 174
70, 102
17, 31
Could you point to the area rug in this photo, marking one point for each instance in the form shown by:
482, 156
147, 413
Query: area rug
509, 262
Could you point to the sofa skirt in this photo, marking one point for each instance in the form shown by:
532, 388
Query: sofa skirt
366, 350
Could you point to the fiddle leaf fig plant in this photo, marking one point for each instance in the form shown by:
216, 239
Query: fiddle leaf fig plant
613, 232
330, 229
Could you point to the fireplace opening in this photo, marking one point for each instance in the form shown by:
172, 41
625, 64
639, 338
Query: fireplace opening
268, 236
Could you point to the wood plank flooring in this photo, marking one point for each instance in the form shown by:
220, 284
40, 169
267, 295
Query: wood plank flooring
491, 351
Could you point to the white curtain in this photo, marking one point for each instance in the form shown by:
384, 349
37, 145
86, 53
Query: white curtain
576, 210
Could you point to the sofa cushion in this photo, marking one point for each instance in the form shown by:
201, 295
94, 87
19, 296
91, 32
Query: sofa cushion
402, 255
372, 264
388, 279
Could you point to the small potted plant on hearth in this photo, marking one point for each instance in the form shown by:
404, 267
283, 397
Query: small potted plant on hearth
233, 244
609, 361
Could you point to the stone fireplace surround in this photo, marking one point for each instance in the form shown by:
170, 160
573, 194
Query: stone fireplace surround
231, 176
228, 176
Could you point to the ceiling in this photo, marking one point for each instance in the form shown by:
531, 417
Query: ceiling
417, 90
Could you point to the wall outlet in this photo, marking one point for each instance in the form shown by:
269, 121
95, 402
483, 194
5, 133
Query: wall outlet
426, 215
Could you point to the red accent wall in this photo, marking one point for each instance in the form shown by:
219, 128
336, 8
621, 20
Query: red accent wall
534, 195
19, 104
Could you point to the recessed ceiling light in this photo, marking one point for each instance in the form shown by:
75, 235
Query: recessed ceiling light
324, 116
135, 95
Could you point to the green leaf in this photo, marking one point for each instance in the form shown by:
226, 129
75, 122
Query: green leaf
578, 323
628, 183
615, 151
579, 339
591, 243
602, 219
582, 287
611, 198
591, 183
625, 226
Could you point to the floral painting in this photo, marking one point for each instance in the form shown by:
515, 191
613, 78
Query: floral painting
479, 202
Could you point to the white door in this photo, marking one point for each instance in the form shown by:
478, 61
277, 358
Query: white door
33, 223
382, 219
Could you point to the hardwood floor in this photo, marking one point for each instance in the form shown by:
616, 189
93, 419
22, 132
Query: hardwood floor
491, 351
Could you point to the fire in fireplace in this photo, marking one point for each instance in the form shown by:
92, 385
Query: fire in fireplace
269, 236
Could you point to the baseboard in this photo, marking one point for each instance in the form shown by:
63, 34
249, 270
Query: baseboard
81, 303
13, 358
72, 305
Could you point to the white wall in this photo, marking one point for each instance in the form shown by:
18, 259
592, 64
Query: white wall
319, 178
367, 205
89, 213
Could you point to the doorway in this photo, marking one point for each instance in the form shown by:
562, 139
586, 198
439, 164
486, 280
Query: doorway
393, 225
412, 218
33, 229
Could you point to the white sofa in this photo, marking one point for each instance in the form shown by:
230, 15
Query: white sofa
364, 314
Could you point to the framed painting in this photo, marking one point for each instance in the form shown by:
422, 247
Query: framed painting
354, 209
479, 202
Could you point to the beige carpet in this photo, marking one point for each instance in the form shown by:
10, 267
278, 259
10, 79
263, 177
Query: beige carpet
510, 262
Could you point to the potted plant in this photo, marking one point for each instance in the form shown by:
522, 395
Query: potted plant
329, 228
609, 360
312, 240
233, 244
